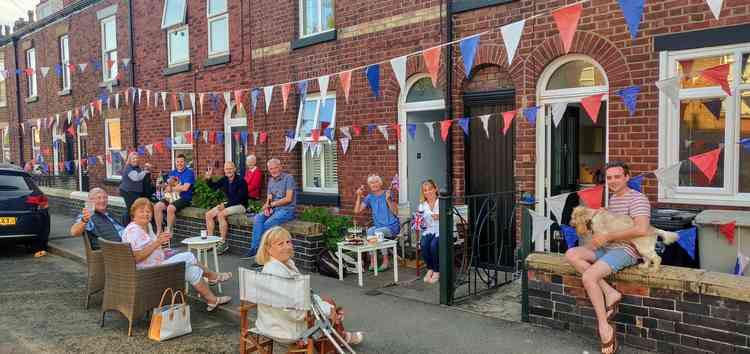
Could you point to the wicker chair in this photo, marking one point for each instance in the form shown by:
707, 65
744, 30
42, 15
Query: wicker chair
95, 264
133, 292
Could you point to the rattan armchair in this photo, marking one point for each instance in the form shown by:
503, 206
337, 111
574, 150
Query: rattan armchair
95, 265
133, 292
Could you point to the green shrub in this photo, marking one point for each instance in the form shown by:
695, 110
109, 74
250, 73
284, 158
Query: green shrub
335, 225
254, 206
205, 197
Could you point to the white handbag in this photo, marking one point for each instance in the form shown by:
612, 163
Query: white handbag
170, 321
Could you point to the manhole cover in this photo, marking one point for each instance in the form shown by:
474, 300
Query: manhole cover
373, 293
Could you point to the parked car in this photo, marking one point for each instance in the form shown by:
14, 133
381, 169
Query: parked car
24, 214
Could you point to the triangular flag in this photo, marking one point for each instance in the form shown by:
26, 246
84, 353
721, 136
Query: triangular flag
126, 62
714, 107
715, 6
345, 77
592, 104
741, 264
592, 197
383, 130
464, 123
373, 77
530, 114
511, 37
315, 135
745, 144
44, 70
164, 100
239, 97
728, 230
243, 137
117, 100
557, 204
445, 128
633, 11
254, 94
236, 136
345, 132
468, 47
357, 130
397, 129
432, 62
411, 129
263, 137
255, 138
82, 66
285, 89
635, 183
670, 88
344, 144
323, 85
707, 162
431, 129
539, 224
629, 94
220, 138
371, 128
669, 177
508, 120
150, 149
287, 143
558, 111
686, 240
718, 75
328, 133
399, 69
227, 98
192, 101
570, 234
485, 118
215, 98
267, 95
302, 89
566, 20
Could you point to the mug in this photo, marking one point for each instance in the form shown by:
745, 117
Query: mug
380, 235
204, 234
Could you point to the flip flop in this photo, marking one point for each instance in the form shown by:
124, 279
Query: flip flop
383, 269
40, 254
219, 301
220, 278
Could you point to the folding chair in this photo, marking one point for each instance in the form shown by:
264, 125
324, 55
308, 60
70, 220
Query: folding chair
284, 293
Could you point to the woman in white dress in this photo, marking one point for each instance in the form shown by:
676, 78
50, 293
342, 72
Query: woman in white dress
430, 229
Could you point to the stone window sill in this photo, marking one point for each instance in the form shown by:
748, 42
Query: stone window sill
63, 92
322, 199
31, 99
313, 40
218, 60
176, 69
469, 5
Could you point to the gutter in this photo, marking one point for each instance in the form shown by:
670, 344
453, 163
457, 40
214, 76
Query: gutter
449, 94
21, 161
131, 52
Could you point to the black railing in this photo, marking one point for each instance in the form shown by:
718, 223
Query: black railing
481, 253
68, 182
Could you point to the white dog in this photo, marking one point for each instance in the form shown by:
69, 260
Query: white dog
589, 221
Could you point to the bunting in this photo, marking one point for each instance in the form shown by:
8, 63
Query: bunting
285, 89
715, 6
632, 10
302, 89
557, 204
399, 70
718, 75
468, 48
485, 122
539, 224
741, 264
629, 94
254, 94
411, 128
636, 182
323, 82
267, 94
432, 62
508, 120
530, 114
728, 230
558, 111
592, 197
707, 162
384, 131
591, 105
671, 88
345, 78
566, 20
344, 144
511, 37
686, 240
445, 127
431, 130
668, 177
745, 144
373, 78
464, 124
571, 236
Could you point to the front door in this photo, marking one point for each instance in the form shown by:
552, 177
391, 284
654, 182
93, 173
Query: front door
426, 159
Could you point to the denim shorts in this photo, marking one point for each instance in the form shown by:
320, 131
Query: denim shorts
385, 230
616, 258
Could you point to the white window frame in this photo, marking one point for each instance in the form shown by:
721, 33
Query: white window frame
164, 13
669, 128
36, 149
213, 18
31, 80
323, 139
175, 146
170, 61
6, 146
319, 30
3, 80
108, 74
64, 61
111, 174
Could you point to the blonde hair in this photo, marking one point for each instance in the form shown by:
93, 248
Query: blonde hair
421, 190
141, 203
269, 237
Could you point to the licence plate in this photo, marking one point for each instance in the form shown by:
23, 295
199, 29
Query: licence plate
7, 221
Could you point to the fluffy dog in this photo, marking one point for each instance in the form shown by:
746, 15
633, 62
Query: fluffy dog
589, 221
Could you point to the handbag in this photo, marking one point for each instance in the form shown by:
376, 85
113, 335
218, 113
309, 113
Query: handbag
170, 321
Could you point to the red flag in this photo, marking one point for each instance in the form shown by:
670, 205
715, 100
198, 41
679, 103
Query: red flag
188, 137
285, 89
397, 128
29, 71
110, 63
346, 82
508, 120
157, 146
263, 137
236, 136
567, 23
592, 104
592, 197
432, 61
72, 67
316, 135
239, 97
109, 158
71, 131
99, 106
175, 105
718, 75
707, 162
212, 137
728, 230
357, 130
445, 127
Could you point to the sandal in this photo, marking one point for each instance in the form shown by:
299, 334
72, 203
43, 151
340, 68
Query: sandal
383, 268
614, 308
353, 338
220, 278
610, 347
219, 301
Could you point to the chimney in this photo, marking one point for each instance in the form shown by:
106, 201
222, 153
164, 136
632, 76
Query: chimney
7, 30
20, 23
31, 16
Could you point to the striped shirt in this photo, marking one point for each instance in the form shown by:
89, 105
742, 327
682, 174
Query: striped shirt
632, 204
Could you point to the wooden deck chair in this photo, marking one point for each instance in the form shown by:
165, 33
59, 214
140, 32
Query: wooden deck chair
284, 293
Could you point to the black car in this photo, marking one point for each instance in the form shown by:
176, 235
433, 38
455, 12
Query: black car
24, 214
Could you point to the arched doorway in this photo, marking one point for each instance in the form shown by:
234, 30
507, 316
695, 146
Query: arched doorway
571, 154
235, 122
420, 158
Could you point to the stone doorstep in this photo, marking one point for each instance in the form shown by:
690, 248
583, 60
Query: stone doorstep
668, 277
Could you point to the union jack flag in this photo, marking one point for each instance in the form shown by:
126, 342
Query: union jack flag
418, 223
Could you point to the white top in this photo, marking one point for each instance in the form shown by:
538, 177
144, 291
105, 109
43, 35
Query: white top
433, 226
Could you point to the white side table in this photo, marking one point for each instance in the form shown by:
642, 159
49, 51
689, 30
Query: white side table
202, 247
359, 249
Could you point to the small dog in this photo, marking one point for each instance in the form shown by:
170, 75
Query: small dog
589, 221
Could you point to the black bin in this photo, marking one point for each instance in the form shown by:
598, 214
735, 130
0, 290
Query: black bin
674, 220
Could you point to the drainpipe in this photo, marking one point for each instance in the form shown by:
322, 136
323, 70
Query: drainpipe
449, 93
21, 161
132, 70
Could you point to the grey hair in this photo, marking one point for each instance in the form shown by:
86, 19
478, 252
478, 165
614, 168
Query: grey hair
273, 161
249, 157
230, 163
95, 191
374, 178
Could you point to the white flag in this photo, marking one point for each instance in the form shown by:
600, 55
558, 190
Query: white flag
140, 93
399, 69
287, 142
431, 129
671, 88
511, 37
323, 84
44, 71
316, 149
192, 100
293, 144
57, 119
669, 177
126, 62
148, 98
227, 97
117, 100
556, 205
164, 100
715, 6
83, 66
205, 136
383, 130
346, 132
268, 93
150, 149
306, 148
255, 138
539, 224
485, 121
70, 117
558, 110
742, 261
344, 144
124, 155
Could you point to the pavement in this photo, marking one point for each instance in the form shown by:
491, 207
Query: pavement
46, 314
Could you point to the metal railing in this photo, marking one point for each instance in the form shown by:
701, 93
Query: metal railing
68, 182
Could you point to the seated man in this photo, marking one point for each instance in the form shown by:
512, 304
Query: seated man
280, 205
384, 211
99, 224
235, 189
185, 180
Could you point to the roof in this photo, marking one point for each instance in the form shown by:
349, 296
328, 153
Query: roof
76, 6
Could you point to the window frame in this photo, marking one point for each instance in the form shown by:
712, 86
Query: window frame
319, 30
191, 147
108, 74
5, 145
170, 62
3, 86
31, 83
213, 18
111, 173
178, 23
64, 47
323, 139
669, 135
36, 148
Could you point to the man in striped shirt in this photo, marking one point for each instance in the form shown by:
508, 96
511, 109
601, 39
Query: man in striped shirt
608, 253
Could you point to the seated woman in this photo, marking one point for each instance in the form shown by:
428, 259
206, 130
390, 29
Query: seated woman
147, 249
430, 229
275, 254
384, 211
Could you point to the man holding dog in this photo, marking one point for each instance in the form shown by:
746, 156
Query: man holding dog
608, 253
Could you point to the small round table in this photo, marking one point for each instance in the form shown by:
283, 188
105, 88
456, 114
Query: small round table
202, 246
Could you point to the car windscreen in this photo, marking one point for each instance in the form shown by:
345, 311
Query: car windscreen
14, 182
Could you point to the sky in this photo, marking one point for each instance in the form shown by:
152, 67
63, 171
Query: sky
11, 10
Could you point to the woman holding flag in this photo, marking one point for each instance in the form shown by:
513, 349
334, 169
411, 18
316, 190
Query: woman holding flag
427, 222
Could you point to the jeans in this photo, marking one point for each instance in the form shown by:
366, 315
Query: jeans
263, 223
429, 245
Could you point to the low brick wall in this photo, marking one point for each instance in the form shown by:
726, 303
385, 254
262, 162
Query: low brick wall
675, 310
307, 237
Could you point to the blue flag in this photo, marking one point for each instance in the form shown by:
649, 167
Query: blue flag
168, 143
45, 168
97, 65
629, 96
714, 107
220, 138
254, 98
371, 128
633, 11
468, 52
196, 135
141, 151
243, 136
69, 165
91, 160
328, 132
530, 114
746, 144
58, 69
18, 72
687, 240
290, 134
214, 102
571, 237
302, 88
373, 77
411, 128
635, 183
464, 123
